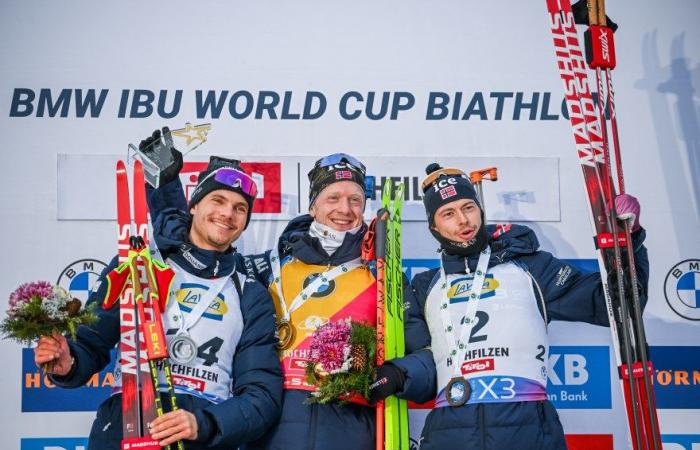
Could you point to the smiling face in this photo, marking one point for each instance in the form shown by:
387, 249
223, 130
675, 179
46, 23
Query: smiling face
218, 220
458, 220
339, 206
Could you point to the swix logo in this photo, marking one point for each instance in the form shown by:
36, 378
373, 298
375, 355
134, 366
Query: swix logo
479, 365
267, 176
579, 377
605, 49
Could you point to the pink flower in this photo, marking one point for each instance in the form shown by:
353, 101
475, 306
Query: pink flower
330, 345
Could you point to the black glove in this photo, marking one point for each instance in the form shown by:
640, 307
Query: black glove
389, 380
171, 172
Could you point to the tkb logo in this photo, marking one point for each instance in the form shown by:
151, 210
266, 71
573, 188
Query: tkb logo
579, 377
682, 289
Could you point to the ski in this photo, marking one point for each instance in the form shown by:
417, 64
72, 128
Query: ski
379, 228
138, 391
396, 436
588, 121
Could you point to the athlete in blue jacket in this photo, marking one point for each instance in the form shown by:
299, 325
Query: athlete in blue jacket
491, 354
230, 393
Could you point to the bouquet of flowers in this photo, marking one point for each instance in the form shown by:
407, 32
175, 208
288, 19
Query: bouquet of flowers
42, 309
342, 361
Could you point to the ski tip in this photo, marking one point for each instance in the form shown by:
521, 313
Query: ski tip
121, 167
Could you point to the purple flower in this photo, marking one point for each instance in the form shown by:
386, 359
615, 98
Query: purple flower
26, 291
331, 344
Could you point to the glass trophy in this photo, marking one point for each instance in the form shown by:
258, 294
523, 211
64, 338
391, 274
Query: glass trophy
157, 157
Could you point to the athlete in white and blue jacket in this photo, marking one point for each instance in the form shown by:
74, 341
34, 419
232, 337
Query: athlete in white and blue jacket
491, 355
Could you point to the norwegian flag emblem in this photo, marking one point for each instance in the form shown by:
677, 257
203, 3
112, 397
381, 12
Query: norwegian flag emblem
448, 192
343, 175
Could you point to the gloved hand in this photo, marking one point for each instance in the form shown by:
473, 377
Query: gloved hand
388, 380
627, 208
171, 172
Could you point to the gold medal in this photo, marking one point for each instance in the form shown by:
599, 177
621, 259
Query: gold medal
285, 334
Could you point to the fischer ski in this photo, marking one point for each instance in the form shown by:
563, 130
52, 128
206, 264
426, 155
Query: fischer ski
390, 297
613, 242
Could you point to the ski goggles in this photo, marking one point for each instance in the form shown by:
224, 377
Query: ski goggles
445, 171
236, 179
337, 158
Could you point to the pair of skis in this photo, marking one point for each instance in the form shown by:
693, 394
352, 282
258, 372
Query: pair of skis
142, 340
613, 242
392, 413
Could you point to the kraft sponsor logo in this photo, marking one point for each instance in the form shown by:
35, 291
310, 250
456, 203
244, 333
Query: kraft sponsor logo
479, 365
579, 377
68, 443
676, 376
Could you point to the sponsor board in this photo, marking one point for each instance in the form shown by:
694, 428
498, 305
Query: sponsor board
681, 441
589, 441
39, 394
579, 377
67, 443
676, 377
79, 277
682, 289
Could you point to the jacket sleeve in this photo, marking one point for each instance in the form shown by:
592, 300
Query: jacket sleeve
258, 267
572, 295
256, 400
93, 344
418, 365
170, 195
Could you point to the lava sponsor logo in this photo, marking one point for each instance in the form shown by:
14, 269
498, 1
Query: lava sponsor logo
479, 365
461, 288
189, 383
80, 277
267, 176
39, 394
676, 376
681, 441
189, 295
682, 289
53, 443
579, 377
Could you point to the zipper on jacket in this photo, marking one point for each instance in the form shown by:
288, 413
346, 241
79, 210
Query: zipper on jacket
482, 424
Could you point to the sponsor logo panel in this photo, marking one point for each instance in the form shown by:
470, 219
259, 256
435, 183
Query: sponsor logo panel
39, 394
676, 377
682, 289
67, 443
681, 441
579, 377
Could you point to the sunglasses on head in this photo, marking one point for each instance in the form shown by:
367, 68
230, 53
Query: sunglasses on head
235, 178
447, 171
337, 158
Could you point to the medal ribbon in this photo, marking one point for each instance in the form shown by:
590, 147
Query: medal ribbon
306, 293
453, 343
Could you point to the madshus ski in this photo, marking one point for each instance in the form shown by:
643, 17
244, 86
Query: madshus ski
392, 413
613, 242
135, 285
